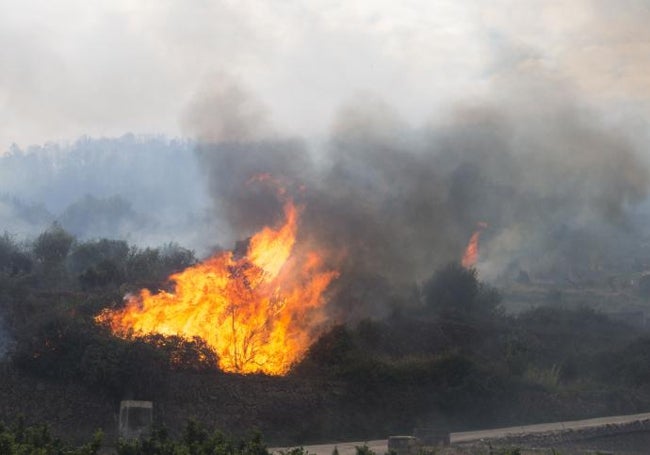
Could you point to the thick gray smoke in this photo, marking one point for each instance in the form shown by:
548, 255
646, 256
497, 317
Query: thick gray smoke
533, 163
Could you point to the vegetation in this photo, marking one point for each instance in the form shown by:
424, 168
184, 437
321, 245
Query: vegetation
449, 357
20, 439
196, 440
52, 289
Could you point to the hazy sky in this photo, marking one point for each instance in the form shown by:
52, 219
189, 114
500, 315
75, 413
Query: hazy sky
69, 68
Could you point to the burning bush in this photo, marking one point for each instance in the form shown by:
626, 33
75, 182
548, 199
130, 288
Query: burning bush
259, 311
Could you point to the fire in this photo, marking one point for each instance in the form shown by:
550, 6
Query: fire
259, 313
470, 258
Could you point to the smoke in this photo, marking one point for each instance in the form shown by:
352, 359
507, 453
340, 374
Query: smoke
146, 190
5, 339
224, 111
540, 168
396, 202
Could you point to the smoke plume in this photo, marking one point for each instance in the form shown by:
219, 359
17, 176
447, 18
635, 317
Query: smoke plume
396, 202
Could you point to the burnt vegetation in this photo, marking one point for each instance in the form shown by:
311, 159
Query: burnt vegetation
447, 356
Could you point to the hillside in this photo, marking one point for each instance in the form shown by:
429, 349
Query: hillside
451, 358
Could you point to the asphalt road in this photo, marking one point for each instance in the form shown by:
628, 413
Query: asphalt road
469, 436
380, 446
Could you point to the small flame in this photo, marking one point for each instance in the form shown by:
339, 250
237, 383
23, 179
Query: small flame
259, 313
470, 257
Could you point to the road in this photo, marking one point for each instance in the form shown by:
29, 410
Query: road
380, 446
469, 436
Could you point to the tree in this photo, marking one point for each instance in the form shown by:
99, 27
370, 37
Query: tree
50, 251
92, 253
99, 263
13, 260
455, 292
52, 246
176, 258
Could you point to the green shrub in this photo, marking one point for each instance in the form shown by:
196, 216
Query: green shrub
455, 292
364, 450
196, 440
20, 439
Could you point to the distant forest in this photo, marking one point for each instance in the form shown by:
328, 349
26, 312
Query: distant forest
146, 190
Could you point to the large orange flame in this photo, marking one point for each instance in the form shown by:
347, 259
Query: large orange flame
470, 257
259, 312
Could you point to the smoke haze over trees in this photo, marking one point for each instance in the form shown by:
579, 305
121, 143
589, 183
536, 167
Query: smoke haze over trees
397, 129
146, 190
555, 182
